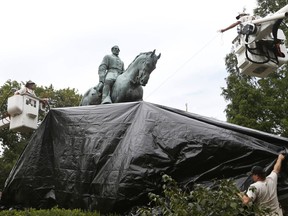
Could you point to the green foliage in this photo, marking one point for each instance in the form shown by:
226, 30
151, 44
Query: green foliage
266, 7
257, 103
59, 98
50, 212
220, 200
12, 142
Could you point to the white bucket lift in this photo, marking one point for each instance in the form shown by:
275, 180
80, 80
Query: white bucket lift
255, 51
259, 63
23, 113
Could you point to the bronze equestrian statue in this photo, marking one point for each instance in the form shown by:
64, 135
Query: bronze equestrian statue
128, 85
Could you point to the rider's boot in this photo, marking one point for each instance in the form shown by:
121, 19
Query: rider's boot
107, 100
106, 95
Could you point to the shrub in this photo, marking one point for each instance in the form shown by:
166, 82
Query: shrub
49, 212
221, 199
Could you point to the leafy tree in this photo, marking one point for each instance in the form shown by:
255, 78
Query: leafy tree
13, 142
258, 103
266, 7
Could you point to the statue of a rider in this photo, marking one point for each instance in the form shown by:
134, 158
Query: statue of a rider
110, 68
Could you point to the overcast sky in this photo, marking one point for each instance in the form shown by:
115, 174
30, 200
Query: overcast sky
63, 42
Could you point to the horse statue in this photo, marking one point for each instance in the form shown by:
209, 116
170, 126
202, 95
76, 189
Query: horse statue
128, 85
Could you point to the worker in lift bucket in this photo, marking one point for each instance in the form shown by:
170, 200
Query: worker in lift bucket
241, 18
29, 89
245, 26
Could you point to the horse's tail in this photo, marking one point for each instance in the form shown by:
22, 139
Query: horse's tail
92, 96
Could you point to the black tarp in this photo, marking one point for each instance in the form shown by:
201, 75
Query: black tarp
108, 157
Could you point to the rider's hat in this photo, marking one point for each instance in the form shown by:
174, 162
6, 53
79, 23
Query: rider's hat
115, 47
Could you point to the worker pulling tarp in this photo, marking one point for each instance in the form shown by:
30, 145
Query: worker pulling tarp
109, 157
